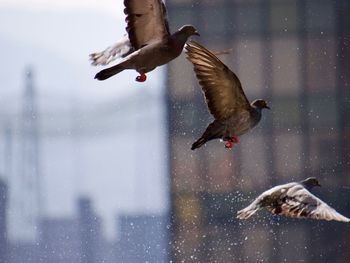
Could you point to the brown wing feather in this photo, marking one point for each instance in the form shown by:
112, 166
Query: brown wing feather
146, 21
300, 203
222, 88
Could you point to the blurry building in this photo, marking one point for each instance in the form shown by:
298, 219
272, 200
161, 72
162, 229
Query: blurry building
59, 240
90, 231
295, 55
106, 252
142, 239
3, 221
75, 240
27, 250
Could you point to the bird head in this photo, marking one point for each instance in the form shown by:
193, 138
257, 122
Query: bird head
311, 182
260, 104
188, 30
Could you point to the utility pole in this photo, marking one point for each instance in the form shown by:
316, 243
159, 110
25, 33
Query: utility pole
8, 153
29, 194
3, 221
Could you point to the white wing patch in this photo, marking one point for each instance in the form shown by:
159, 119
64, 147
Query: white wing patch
118, 50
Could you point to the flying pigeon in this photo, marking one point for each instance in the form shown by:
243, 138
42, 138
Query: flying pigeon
148, 43
293, 200
233, 113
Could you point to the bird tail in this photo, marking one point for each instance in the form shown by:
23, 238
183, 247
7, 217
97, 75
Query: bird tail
120, 49
109, 72
248, 211
198, 143
215, 130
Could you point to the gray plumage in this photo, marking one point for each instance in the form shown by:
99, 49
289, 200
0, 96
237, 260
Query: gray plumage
233, 113
293, 200
148, 43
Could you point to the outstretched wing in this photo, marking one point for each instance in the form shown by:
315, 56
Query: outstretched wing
120, 49
300, 203
222, 88
146, 21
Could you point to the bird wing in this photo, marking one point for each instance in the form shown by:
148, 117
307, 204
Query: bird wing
120, 49
300, 203
146, 21
263, 200
222, 88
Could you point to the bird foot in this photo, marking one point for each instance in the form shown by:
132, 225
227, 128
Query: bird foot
230, 141
141, 78
228, 145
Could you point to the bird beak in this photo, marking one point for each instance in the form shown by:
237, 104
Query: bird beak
318, 184
267, 107
196, 33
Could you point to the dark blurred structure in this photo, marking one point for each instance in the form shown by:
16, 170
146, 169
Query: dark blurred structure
27, 193
142, 239
60, 240
296, 55
3, 221
24, 250
77, 239
90, 231
72, 239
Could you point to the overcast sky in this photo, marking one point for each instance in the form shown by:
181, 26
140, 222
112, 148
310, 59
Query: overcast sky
107, 6
120, 161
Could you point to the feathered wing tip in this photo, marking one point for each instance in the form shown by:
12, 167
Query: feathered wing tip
222, 52
193, 44
341, 218
329, 214
120, 49
325, 212
198, 54
247, 212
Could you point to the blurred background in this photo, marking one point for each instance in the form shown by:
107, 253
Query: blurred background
103, 172
82, 162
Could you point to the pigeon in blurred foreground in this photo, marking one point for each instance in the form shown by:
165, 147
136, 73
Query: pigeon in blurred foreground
293, 200
233, 113
148, 43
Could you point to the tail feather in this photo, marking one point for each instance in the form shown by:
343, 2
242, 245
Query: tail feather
109, 72
120, 49
215, 130
198, 143
248, 211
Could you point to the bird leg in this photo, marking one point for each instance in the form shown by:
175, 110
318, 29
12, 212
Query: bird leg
141, 78
230, 141
234, 139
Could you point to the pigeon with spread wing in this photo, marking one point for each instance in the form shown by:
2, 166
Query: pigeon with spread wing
148, 43
293, 200
233, 113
